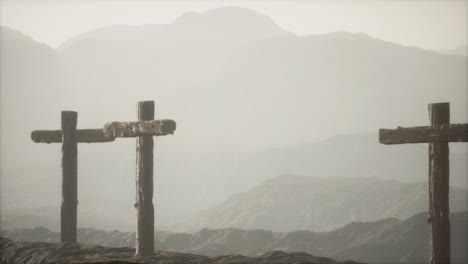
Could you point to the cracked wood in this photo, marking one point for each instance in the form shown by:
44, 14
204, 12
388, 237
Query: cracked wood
140, 128
425, 134
82, 136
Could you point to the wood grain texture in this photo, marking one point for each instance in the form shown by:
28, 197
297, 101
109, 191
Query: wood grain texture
82, 136
143, 127
439, 222
144, 179
68, 223
426, 134
439, 134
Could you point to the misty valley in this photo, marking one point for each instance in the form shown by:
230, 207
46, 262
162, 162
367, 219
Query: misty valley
276, 157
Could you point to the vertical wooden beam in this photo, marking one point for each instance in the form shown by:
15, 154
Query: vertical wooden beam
144, 185
68, 212
439, 222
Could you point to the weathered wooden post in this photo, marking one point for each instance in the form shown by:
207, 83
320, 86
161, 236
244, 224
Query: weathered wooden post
144, 184
69, 136
68, 212
144, 130
438, 135
439, 222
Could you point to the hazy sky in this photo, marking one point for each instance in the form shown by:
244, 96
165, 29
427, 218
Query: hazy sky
427, 24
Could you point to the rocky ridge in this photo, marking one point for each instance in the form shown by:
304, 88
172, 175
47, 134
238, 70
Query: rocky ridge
384, 241
41, 253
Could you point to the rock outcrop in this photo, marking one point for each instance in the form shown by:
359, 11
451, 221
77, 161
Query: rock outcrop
41, 253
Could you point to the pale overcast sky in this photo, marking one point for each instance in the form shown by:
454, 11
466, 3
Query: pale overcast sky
426, 24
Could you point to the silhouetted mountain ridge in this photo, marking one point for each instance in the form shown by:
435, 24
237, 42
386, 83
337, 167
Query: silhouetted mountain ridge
291, 202
346, 156
231, 101
384, 241
32, 253
223, 25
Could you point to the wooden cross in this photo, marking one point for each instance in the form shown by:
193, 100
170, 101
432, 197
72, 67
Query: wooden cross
69, 136
438, 135
143, 130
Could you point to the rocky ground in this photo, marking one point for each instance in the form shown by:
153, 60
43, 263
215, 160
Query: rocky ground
384, 241
39, 253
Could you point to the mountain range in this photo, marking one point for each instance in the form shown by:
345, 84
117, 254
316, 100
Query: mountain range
236, 89
282, 204
35, 252
351, 156
461, 50
289, 202
385, 241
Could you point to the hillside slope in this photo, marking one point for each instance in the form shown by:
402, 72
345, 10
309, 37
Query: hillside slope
290, 202
33, 253
346, 155
234, 89
384, 241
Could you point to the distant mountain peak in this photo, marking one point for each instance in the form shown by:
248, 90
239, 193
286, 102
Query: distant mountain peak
227, 23
230, 13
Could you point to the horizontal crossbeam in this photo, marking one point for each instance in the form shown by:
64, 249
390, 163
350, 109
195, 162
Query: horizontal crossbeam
427, 134
82, 136
140, 128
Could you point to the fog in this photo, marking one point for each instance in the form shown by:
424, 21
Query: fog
431, 25
253, 101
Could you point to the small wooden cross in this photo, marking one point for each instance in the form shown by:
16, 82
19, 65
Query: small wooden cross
144, 130
69, 136
438, 135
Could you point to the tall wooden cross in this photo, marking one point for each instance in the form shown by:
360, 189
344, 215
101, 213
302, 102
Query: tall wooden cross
438, 135
143, 130
69, 136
